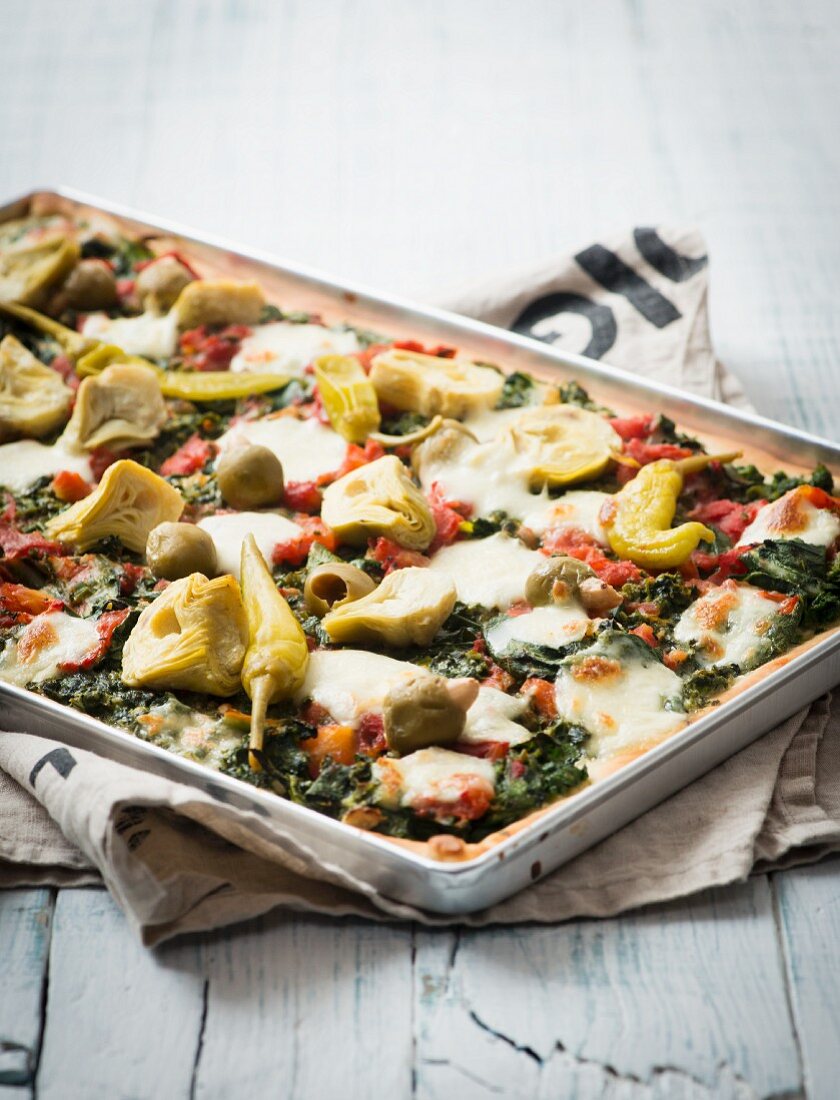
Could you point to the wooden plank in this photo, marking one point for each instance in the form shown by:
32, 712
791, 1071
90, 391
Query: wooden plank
308, 1008
683, 999
121, 1020
809, 907
25, 921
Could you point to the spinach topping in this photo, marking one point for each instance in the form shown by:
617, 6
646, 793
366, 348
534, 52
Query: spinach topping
701, 686
517, 391
572, 393
746, 483
802, 570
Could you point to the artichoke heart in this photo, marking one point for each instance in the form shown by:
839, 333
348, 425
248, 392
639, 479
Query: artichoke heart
561, 444
28, 273
408, 608
379, 499
34, 400
430, 384
121, 407
275, 663
128, 502
191, 638
219, 302
348, 396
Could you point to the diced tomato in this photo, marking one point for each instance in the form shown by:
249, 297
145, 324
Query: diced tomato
442, 351
633, 427
391, 555
674, 659
70, 486
497, 678
100, 459
371, 731
106, 624
517, 769
18, 604
294, 551
15, 544
141, 265
130, 578
203, 350
645, 632
473, 802
652, 452
448, 517
366, 355
64, 366
724, 565
579, 545
334, 741
728, 515
484, 750
190, 457
302, 496
542, 696
409, 345
353, 460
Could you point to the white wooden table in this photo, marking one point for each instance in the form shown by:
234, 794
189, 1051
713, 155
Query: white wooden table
413, 146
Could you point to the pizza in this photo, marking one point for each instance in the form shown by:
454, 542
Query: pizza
381, 578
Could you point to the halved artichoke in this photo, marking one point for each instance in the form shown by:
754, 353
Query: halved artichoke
34, 400
121, 407
191, 638
348, 396
275, 663
429, 384
28, 273
379, 499
561, 444
408, 608
128, 502
219, 302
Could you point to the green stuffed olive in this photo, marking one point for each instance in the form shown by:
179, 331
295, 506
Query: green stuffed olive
250, 477
334, 584
426, 710
176, 550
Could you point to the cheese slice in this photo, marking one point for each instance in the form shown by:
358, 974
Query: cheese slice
622, 696
285, 348
555, 625
306, 448
793, 516
491, 572
352, 682
577, 510
492, 717
151, 334
433, 775
729, 625
50, 640
23, 462
228, 532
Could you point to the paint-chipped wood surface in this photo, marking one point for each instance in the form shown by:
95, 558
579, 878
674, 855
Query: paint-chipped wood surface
415, 146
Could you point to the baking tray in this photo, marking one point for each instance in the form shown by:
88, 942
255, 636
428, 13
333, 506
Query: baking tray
510, 860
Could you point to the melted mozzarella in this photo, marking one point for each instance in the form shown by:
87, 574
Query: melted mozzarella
352, 682
306, 448
151, 334
556, 625
485, 477
491, 572
285, 348
492, 717
577, 510
729, 626
23, 462
434, 774
228, 533
620, 699
793, 516
49, 641
487, 424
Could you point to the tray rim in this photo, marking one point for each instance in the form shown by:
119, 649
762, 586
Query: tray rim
565, 811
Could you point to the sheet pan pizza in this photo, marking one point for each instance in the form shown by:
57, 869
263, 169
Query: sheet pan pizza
382, 579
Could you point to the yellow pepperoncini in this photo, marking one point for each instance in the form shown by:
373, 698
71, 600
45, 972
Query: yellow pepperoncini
73, 344
638, 518
275, 661
348, 396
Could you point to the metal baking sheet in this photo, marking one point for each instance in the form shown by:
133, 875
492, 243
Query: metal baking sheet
554, 835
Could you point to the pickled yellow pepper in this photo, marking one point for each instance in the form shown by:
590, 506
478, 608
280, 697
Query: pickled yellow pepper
348, 395
638, 518
275, 661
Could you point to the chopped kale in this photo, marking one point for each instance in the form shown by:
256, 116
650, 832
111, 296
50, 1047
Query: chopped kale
517, 391
746, 483
800, 569
101, 694
665, 431
572, 393
285, 766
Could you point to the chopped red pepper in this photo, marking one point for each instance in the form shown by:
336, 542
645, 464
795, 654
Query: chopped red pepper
577, 544
100, 459
106, 624
645, 632
653, 452
473, 802
391, 555
190, 457
15, 544
70, 486
131, 577
355, 458
633, 427
203, 350
302, 496
64, 366
484, 750
371, 731
728, 515
448, 517
294, 551
18, 604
